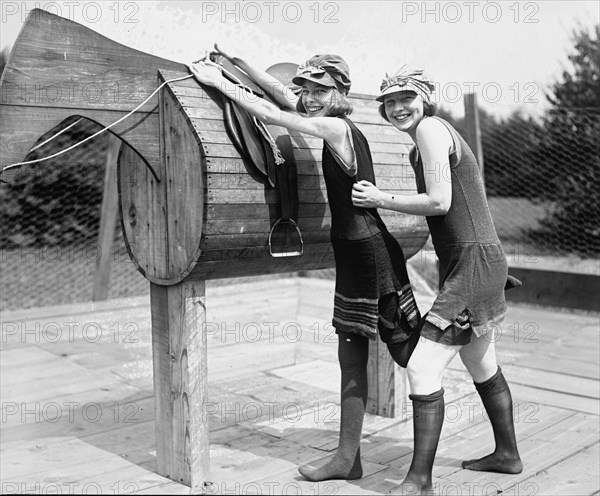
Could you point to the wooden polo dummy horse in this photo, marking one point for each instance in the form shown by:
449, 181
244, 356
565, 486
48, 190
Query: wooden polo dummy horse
195, 202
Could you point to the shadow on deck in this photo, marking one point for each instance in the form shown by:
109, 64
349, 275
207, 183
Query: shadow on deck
77, 404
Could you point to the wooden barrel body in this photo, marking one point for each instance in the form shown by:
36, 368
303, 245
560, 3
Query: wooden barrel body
191, 206
210, 214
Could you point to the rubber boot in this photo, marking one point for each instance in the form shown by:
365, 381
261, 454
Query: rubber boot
497, 400
428, 417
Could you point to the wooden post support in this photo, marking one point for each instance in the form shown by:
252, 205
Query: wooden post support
473, 129
180, 382
108, 220
386, 382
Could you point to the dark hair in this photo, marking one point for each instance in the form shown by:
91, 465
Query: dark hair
429, 109
340, 105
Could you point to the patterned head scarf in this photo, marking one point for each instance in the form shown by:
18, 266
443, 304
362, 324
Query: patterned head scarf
407, 78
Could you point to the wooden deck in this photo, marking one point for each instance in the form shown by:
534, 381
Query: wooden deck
77, 400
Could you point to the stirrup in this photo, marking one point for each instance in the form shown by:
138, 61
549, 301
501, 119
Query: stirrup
295, 253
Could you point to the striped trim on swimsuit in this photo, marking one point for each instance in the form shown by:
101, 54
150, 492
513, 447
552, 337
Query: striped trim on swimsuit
409, 306
362, 313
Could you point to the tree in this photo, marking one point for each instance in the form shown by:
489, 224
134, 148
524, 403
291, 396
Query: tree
3, 59
572, 149
512, 154
579, 89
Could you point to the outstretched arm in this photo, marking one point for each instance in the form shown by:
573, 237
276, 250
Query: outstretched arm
271, 85
434, 143
330, 129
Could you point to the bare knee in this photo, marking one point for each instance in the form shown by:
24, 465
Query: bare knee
479, 357
427, 364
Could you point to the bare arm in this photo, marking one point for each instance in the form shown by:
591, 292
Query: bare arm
434, 143
330, 129
271, 85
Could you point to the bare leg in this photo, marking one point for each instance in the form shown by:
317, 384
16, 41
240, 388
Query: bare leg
480, 359
353, 355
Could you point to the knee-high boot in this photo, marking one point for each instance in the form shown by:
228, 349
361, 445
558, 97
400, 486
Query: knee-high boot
497, 400
353, 355
428, 417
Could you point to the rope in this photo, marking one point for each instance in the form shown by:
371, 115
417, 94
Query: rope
269, 137
57, 154
57, 134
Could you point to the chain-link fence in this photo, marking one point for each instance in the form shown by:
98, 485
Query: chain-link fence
50, 217
542, 180
543, 184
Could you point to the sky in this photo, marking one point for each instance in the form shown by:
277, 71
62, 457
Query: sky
507, 51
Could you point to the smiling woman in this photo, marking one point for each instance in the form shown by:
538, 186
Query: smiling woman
473, 274
373, 295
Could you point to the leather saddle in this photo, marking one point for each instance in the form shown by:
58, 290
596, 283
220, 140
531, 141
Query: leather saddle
268, 148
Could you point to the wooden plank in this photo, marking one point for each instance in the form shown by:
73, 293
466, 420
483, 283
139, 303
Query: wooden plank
235, 165
301, 154
376, 133
82, 308
196, 101
259, 356
224, 211
142, 199
288, 480
569, 366
85, 413
108, 220
314, 229
71, 380
207, 112
229, 226
473, 129
476, 438
36, 459
134, 478
576, 474
168, 488
224, 247
260, 266
180, 381
215, 196
220, 136
245, 181
63, 334
553, 398
184, 188
48, 63
553, 381
560, 440
386, 382
320, 259
13, 358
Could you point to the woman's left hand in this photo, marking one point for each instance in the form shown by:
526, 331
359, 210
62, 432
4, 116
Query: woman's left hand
366, 195
207, 73
219, 51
